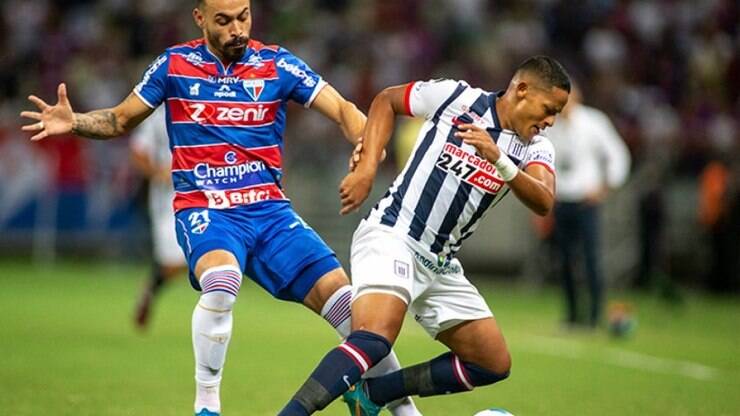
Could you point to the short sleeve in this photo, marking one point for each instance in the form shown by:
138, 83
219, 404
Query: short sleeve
423, 98
541, 153
151, 89
301, 83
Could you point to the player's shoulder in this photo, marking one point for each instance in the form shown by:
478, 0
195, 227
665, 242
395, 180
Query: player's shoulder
591, 113
541, 141
188, 46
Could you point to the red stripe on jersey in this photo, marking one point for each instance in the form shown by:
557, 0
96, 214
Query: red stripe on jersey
265, 70
191, 43
223, 113
407, 98
548, 167
257, 46
180, 66
185, 158
228, 199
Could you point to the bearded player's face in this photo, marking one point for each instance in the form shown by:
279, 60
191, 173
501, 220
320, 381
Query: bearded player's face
226, 25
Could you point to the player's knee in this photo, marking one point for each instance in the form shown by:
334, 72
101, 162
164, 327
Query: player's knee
373, 347
483, 376
220, 286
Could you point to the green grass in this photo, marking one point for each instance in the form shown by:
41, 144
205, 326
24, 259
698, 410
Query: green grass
68, 347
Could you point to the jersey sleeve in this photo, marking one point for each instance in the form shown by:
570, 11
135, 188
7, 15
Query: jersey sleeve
423, 98
541, 153
151, 89
302, 84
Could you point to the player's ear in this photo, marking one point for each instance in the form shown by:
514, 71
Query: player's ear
522, 88
198, 17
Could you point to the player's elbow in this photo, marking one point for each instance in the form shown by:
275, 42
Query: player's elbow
543, 206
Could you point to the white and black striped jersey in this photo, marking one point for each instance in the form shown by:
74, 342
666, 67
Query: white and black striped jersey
446, 188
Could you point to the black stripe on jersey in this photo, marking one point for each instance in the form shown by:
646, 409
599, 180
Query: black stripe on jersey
429, 194
485, 203
450, 220
479, 107
390, 215
483, 206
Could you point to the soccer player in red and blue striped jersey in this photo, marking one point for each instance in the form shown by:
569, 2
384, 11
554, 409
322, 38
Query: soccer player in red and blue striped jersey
225, 97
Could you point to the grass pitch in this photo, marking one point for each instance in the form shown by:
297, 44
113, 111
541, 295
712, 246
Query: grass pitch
68, 347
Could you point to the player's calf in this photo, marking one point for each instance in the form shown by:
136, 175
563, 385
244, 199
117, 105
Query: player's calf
212, 325
341, 368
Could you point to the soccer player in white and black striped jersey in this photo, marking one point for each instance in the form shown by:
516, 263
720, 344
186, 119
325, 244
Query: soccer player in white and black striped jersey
474, 148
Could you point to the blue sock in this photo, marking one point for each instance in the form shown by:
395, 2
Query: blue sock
341, 368
442, 375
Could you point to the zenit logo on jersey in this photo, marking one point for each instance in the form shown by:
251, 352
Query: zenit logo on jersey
223, 113
226, 121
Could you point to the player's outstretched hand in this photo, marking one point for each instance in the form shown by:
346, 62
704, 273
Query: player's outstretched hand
353, 190
52, 120
478, 137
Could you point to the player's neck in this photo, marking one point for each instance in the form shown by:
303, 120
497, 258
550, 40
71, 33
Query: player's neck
502, 111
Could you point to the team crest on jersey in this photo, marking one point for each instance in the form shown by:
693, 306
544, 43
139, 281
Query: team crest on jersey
254, 88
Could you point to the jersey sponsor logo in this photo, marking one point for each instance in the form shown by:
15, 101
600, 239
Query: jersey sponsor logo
225, 92
254, 88
255, 61
228, 199
438, 267
150, 71
207, 175
470, 168
224, 80
194, 89
297, 72
220, 113
230, 157
195, 58
199, 221
542, 156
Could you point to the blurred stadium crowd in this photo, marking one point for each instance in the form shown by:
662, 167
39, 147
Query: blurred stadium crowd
666, 71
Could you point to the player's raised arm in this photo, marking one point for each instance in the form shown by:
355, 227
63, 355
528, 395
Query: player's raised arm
106, 123
534, 186
355, 188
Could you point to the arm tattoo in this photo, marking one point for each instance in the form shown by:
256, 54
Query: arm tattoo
99, 125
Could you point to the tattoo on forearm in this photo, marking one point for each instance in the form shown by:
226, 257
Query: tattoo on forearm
99, 124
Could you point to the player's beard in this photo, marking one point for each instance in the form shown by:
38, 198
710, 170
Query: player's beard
234, 49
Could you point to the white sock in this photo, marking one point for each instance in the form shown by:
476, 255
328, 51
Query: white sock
212, 324
337, 311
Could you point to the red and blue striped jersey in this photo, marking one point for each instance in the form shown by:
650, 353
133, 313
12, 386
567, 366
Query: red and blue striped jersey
225, 122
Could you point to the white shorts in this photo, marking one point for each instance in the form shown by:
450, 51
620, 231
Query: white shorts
164, 238
439, 297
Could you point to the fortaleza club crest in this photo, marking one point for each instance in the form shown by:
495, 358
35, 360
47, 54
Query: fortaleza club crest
254, 88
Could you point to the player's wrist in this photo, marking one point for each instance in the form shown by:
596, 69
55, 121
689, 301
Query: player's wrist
506, 168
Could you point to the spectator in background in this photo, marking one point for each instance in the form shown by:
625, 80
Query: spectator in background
591, 160
719, 210
150, 153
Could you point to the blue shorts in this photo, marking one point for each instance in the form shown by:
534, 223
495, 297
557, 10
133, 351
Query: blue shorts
273, 245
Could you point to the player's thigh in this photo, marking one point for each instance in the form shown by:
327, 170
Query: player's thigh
290, 260
480, 342
209, 238
383, 281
